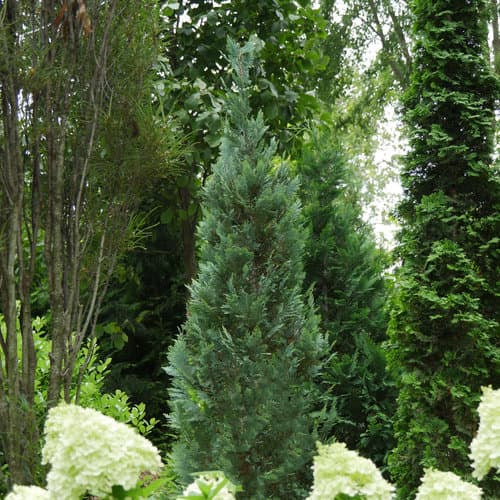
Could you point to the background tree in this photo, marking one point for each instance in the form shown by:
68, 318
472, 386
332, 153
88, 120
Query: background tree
78, 145
284, 87
242, 368
345, 267
144, 309
370, 62
146, 305
444, 326
373, 35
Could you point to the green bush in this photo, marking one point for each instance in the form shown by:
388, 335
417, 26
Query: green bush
89, 376
345, 268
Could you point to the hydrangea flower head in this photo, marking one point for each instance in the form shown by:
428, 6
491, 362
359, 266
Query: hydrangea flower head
437, 485
28, 493
212, 485
91, 452
339, 470
485, 447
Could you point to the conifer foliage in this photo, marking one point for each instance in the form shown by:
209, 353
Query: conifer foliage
243, 364
444, 326
346, 268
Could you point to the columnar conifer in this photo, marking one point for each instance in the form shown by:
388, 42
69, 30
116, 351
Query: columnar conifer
445, 324
242, 366
346, 268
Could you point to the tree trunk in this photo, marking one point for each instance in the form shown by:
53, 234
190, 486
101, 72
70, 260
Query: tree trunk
188, 229
54, 250
17, 386
397, 70
496, 36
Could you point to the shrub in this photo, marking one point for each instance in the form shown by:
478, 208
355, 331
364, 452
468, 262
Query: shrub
28, 493
244, 364
485, 447
338, 470
91, 453
212, 486
437, 485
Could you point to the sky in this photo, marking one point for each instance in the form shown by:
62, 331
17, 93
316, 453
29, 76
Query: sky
391, 148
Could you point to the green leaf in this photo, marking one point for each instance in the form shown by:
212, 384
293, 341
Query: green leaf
167, 216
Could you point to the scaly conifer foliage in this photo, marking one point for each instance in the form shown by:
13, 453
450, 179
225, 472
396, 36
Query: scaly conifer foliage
243, 365
345, 267
445, 326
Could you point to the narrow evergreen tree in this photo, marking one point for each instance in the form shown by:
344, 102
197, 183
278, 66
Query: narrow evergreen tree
445, 324
345, 267
243, 365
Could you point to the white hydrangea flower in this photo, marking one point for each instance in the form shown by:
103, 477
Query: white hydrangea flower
209, 482
28, 493
339, 470
89, 451
437, 485
485, 447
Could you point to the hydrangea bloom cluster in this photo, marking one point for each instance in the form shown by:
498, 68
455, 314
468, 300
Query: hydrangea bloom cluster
91, 452
28, 493
213, 485
485, 447
437, 485
339, 470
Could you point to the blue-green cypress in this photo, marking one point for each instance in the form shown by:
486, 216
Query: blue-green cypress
244, 362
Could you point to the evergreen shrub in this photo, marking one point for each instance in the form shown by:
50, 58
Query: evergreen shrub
244, 363
445, 325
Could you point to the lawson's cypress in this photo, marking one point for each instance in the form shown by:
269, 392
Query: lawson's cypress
243, 364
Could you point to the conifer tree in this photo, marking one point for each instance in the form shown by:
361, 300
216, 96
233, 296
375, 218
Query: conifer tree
345, 267
444, 326
243, 364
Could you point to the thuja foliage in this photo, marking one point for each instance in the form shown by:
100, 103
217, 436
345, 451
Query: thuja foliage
444, 326
346, 268
243, 364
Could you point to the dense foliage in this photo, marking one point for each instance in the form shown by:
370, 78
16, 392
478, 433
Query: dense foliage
195, 76
243, 365
121, 457
146, 304
445, 327
345, 267
118, 118
79, 144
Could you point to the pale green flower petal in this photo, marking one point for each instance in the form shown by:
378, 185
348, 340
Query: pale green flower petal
28, 493
485, 447
437, 485
91, 452
339, 470
211, 480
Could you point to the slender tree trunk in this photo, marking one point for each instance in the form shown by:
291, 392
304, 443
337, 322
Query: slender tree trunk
396, 22
54, 249
399, 74
188, 230
28, 273
496, 36
14, 450
17, 384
